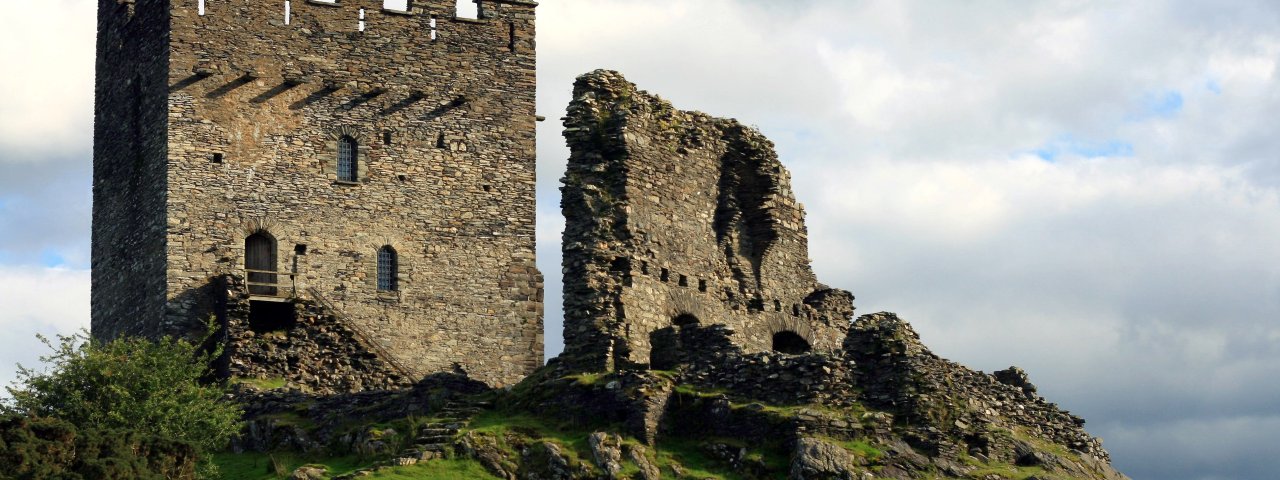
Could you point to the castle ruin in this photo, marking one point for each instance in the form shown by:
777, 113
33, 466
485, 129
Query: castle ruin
256, 160
676, 218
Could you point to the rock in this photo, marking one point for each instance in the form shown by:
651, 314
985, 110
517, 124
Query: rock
640, 456
815, 459
607, 453
309, 472
545, 461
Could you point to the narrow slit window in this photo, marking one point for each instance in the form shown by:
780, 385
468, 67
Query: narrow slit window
386, 137
200, 7
511, 36
387, 269
347, 150
288, 12
432, 23
360, 23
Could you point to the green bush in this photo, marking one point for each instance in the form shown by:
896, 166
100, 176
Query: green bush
128, 384
44, 448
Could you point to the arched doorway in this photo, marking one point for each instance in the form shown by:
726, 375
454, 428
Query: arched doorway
260, 264
790, 343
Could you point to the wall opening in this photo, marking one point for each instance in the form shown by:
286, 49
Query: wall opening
790, 343
288, 12
360, 21
347, 150
387, 269
268, 316
217, 158
664, 275
200, 7
397, 5
664, 349
260, 264
386, 137
467, 9
685, 319
433, 28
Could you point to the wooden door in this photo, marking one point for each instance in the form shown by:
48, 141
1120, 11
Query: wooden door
260, 263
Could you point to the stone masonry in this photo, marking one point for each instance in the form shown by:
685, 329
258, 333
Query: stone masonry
676, 218
217, 120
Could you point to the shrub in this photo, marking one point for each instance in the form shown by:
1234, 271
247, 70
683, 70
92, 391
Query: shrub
128, 384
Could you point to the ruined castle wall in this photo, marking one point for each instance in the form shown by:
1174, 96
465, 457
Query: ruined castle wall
443, 113
671, 214
129, 168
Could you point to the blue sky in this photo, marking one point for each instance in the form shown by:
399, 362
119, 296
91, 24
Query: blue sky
1089, 190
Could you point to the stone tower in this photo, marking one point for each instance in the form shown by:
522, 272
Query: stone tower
375, 159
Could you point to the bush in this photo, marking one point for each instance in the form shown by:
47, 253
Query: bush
40, 448
128, 384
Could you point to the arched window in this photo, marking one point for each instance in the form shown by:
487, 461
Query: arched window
790, 342
260, 263
347, 151
387, 269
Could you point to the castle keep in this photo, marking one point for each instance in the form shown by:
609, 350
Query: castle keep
370, 161
675, 219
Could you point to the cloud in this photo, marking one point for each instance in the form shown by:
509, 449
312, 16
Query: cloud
48, 301
47, 107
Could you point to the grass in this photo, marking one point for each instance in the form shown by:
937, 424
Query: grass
1008, 471
861, 448
271, 383
262, 466
448, 469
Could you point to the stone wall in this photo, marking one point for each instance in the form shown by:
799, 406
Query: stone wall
677, 217
129, 169
442, 109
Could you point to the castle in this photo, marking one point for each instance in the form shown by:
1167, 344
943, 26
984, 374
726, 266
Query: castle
258, 160
348, 186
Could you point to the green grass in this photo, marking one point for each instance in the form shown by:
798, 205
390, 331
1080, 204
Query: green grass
262, 466
261, 383
448, 469
861, 448
1008, 471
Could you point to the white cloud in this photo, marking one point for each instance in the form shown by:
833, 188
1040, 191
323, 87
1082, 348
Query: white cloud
47, 104
47, 301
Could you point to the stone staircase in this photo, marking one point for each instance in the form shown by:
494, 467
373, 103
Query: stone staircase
435, 439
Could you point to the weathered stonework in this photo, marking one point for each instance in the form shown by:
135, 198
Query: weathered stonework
213, 127
675, 218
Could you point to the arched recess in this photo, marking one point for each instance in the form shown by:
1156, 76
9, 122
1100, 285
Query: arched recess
260, 264
790, 342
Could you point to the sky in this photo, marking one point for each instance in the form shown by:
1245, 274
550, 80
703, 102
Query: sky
1088, 190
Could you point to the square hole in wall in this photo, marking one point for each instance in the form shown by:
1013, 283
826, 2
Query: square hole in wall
300, 249
217, 158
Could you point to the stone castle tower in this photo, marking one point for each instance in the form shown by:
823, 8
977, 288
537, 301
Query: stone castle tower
376, 160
